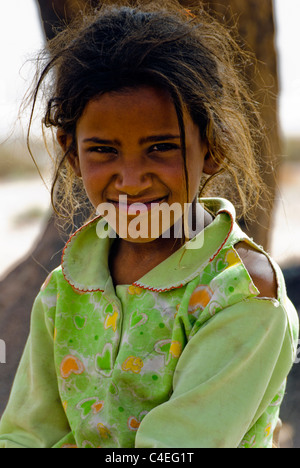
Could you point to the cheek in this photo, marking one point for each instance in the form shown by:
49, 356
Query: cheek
94, 180
177, 181
173, 176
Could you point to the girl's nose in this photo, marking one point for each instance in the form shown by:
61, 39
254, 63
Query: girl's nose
133, 180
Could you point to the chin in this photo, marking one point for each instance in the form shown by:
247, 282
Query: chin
139, 240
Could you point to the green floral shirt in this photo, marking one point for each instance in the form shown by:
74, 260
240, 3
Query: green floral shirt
188, 356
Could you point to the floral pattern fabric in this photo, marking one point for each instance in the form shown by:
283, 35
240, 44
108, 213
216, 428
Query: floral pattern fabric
116, 350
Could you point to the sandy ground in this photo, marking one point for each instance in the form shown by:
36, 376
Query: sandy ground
24, 203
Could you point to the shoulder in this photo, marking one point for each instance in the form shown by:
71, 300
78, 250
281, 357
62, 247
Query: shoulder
52, 281
259, 268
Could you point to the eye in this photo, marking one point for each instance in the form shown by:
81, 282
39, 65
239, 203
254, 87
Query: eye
102, 150
163, 147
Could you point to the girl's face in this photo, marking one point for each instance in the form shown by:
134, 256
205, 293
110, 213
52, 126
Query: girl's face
128, 143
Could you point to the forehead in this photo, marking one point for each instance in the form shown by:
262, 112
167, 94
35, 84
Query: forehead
139, 107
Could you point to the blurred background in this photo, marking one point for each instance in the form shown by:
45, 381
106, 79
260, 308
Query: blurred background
25, 200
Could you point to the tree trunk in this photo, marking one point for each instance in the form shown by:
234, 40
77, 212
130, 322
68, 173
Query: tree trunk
255, 23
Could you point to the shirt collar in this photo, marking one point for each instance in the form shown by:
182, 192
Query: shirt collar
85, 256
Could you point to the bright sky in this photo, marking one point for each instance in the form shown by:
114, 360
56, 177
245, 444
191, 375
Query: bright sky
21, 36
288, 42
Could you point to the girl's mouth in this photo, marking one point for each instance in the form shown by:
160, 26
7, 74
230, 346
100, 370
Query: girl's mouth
131, 207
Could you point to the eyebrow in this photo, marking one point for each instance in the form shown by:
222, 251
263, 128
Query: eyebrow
101, 141
149, 139
154, 138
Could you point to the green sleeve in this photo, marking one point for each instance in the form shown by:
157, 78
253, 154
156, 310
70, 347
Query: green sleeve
34, 417
226, 377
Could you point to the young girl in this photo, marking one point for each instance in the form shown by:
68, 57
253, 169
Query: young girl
160, 340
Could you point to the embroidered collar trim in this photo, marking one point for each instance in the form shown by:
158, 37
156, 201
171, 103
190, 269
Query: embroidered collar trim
85, 256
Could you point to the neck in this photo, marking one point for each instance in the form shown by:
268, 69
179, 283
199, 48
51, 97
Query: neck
159, 248
129, 261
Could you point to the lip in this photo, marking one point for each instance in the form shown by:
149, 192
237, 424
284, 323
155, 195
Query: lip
140, 205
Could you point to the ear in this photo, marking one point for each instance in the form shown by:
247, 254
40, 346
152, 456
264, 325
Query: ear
65, 141
210, 166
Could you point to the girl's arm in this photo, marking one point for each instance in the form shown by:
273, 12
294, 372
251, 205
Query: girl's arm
226, 377
34, 417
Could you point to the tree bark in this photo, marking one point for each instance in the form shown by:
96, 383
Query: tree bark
256, 27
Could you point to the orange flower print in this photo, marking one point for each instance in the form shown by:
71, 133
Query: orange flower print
90, 406
133, 423
71, 365
200, 298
